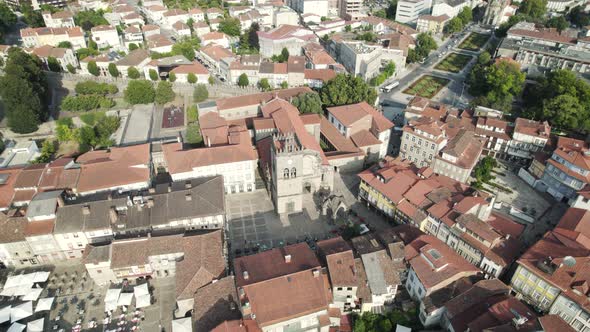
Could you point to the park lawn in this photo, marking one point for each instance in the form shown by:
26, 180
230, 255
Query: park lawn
426, 86
454, 62
474, 41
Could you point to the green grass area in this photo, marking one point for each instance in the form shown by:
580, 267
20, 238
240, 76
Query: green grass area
454, 62
426, 86
474, 42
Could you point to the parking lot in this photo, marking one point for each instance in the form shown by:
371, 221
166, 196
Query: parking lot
254, 224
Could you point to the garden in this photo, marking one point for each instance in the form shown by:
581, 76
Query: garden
474, 42
453, 63
426, 86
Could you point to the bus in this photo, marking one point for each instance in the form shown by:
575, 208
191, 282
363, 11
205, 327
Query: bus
389, 86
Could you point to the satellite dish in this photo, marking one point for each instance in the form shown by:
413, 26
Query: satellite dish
569, 261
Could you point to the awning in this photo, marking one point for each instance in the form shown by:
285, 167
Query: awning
111, 299
16, 327
41, 276
141, 290
4, 314
182, 325
44, 304
142, 296
36, 325
21, 311
22, 290
33, 294
27, 279
8, 291
12, 281
125, 299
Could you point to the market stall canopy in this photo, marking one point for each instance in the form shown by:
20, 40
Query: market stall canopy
33, 294
5, 314
21, 311
16, 327
36, 325
125, 299
182, 325
44, 304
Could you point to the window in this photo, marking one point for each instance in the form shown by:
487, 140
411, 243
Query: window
286, 173
293, 172
75, 235
432, 146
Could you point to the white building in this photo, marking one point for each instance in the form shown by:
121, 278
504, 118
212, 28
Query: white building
286, 36
35, 37
61, 19
105, 36
408, 11
319, 7
450, 8
64, 56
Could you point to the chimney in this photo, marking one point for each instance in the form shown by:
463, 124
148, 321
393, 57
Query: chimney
245, 275
188, 197
316, 273
113, 215
287, 258
86, 210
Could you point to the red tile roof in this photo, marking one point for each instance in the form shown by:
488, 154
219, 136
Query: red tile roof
348, 115
180, 161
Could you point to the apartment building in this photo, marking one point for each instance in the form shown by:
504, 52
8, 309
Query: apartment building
137, 59
64, 56
422, 140
432, 24
36, 37
14, 248
545, 48
367, 60
338, 257
291, 37
293, 294
350, 9
174, 15
60, 19
497, 134
451, 8
567, 171
458, 158
528, 137
105, 36
364, 125
408, 11
319, 7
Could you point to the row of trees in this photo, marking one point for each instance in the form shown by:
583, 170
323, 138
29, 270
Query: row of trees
85, 103
24, 91
458, 22
7, 19
424, 45
96, 132
143, 92
249, 43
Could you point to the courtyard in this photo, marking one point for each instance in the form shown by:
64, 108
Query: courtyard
453, 62
474, 42
427, 86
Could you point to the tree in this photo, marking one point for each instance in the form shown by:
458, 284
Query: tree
253, 36
192, 113
93, 68
172, 77
113, 70
483, 171
53, 65
133, 46
47, 151
454, 25
284, 54
201, 93
87, 19
85, 52
105, 128
284, 84
153, 75
32, 18
348, 28
264, 85
191, 78
345, 89
465, 15
164, 93
140, 92
578, 17
230, 26
565, 112
424, 45
534, 10
243, 80
64, 130
64, 44
308, 103
7, 19
211, 80
558, 22
496, 84
71, 69
187, 47
133, 73
24, 91
193, 134
95, 88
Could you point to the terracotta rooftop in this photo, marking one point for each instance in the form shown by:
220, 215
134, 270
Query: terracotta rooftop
348, 115
195, 68
465, 147
258, 98
323, 75
216, 52
216, 303
286, 31
340, 262
532, 128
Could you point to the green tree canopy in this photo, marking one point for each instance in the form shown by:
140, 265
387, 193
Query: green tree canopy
95, 88
424, 45
87, 19
32, 18
230, 26
496, 84
48, 149
454, 25
140, 92
579, 17
466, 15
24, 91
558, 22
71, 69
283, 57
53, 65
93, 68
133, 46
534, 10
201, 93
133, 73
64, 44
172, 77
164, 93
243, 80
253, 36
308, 103
113, 70
191, 78
187, 47
345, 89
7, 19
264, 85
153, 75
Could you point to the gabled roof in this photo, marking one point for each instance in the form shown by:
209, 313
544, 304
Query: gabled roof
348, 115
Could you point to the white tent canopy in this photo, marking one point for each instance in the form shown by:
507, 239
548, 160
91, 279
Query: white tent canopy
8, 291
36, 325
4, 314
141, 290
44, 304
22, 290
13, 281
16, 327
182, 325
125, 299
111, 298
142, 296
41, 276
21, 311
33, 294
